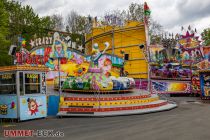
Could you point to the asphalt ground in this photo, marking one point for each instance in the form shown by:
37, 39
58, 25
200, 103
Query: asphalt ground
189, 121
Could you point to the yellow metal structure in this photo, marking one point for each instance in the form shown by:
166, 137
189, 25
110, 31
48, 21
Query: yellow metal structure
126, 38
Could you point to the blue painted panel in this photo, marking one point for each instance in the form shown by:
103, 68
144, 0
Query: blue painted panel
202, 85
53, 105
8, 106
33, 106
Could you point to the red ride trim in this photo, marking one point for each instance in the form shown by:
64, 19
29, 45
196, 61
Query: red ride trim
112, 109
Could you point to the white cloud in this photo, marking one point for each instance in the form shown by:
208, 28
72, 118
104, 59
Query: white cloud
172, 14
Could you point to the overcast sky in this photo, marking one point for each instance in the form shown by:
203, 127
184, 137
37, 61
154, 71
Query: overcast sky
172, 14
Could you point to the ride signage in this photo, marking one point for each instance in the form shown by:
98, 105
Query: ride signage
32, 59
53, 41
23, 58
6, 76
52, 49
32, 76
41, 41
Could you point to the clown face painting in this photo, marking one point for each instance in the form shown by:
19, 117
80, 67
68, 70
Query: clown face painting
105, 64
32, 106
59, 48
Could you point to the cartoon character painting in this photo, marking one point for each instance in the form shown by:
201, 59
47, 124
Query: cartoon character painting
4, 108
50, 63
79, 71
105, 64
59, 48
96, 52
33, 106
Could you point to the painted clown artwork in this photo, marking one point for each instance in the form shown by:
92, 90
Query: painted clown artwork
59, 48
96, 54
32, 106
105, 64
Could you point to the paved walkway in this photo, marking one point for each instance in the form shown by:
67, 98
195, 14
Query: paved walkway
190, 121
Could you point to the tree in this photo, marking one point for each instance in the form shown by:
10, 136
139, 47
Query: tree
24, 21
57, 21
155, 32
4, 31
75, 23
135, 12
206, 36
16, 20
46, 24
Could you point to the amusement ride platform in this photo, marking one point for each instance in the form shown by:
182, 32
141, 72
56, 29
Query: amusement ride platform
99, 105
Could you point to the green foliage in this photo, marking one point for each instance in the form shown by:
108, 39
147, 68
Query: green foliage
24, 21
75, 23
155, 39
206, 36
4, 31
16, 20
3, 25
57, 22
136, 11
76, 26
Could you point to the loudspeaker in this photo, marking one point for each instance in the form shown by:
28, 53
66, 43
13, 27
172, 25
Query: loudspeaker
126, 57
173, 51
141, 46
12, 50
